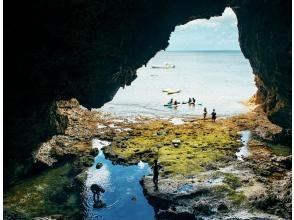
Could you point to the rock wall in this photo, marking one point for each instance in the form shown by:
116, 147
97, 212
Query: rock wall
265, 39
88, 49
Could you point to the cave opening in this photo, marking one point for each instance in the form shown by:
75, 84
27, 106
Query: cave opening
205, 169
203, 61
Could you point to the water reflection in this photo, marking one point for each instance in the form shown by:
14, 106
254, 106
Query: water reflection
244, 151
123, 195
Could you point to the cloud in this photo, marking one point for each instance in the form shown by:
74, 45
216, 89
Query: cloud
228, 18
217, 33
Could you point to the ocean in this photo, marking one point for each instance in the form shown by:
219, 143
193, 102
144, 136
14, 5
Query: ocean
219, 80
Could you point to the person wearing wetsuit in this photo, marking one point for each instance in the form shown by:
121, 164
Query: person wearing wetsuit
96, 190
156, 168
204, 113
213, 115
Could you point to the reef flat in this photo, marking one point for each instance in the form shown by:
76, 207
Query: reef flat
201, 175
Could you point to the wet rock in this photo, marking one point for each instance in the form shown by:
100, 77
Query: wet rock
94, 152
81, 178
99, 165
176, 142
13, 215
59, 197
222, 208
52, 217
265, 202
172, 215
86, 161
203, 208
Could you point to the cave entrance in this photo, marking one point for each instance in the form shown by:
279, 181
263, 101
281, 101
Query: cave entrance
208, 66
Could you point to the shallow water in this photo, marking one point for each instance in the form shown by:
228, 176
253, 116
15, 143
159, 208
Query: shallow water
244, 150
216, 79
123, 195
49, 193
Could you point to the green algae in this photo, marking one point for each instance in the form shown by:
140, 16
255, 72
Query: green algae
51, 192
232, 180
201, 143
224, 191
237, 198
280, 150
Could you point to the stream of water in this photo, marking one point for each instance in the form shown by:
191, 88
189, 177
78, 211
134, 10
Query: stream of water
244, 151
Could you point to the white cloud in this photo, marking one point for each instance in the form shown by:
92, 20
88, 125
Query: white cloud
217, 33
228, 18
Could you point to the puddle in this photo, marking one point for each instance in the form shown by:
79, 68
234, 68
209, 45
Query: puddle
244, 151
185, 188
177, 121
123, 195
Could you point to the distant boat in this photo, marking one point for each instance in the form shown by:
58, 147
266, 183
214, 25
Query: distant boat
164, 66
170, 91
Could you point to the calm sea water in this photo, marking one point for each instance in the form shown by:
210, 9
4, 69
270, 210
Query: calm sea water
216, 79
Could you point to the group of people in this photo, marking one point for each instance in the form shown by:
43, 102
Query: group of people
213, 114
175, 102
191, 101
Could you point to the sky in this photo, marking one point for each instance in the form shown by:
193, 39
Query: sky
217, 33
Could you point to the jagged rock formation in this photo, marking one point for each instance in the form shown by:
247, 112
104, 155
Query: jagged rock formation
87, 49
265, 39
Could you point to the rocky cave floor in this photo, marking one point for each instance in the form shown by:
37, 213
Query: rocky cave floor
201, 176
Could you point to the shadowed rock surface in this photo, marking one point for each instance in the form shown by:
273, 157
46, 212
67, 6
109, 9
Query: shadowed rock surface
88, 49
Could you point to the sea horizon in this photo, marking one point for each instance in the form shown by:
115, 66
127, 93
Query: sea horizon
220, 80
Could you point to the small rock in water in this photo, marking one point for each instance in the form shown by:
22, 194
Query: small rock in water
176, 142
99, 165
133, 198
94, 151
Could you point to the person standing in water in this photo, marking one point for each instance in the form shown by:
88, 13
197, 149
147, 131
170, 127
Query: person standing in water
193, 101
96, 190
204, 113
155, 168
213, 115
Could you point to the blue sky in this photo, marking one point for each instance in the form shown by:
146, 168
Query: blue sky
217, 33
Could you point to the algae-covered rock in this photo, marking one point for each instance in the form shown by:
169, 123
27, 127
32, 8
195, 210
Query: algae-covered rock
99, 165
